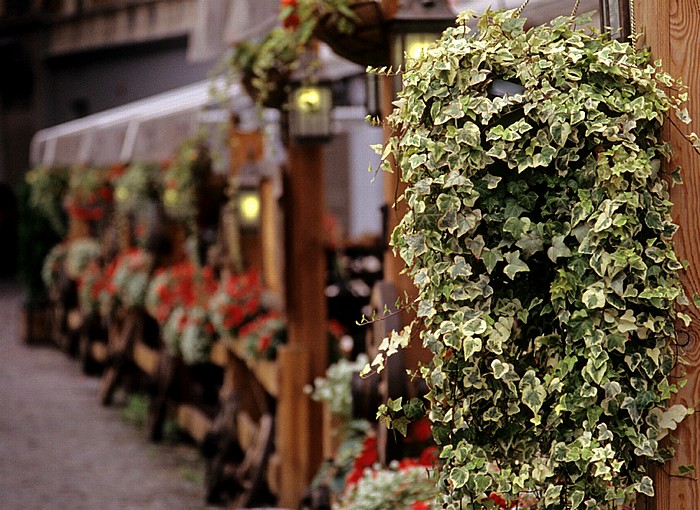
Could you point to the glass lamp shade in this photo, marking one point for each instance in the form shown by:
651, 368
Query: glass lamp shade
249, 208
417, 25
310, 113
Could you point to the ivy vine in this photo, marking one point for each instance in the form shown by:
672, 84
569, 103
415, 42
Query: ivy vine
538, 236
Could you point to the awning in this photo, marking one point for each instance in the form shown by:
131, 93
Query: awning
151, 129
146, 130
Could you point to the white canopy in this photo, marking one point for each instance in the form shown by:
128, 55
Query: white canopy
151, 129
146, 130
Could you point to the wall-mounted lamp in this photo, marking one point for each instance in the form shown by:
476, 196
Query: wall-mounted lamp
310, 108
248, 196
417, 25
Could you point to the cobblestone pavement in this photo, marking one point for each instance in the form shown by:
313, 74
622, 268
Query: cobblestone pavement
61, 450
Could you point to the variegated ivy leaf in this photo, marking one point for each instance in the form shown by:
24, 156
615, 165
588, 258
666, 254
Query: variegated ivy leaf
499, 368
670, 418
645, 486
538, 233
594, 297
515, 265
558, 248
389, 345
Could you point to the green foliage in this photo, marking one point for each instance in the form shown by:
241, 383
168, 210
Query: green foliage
47, 189
135, 188
135, 411
274, 57
36, 238
538, 236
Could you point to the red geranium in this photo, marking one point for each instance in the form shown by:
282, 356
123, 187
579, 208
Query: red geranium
366, 459
290, 18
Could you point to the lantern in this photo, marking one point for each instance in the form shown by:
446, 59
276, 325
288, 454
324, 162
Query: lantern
310, 108
248, 197
417, 25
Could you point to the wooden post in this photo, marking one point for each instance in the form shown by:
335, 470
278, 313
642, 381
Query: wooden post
670, 29
293, 438
305, 274
393, 188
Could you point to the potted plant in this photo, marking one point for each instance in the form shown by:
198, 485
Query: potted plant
538, 235
265, 66
354, 29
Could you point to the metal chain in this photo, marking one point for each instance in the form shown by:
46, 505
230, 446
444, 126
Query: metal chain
573, 12
520, 10
633, 22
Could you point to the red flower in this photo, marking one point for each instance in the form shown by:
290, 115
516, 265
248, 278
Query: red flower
498, 499
420, 505
264, 343
420, 431
366, 459
233, 318
429, 456
116, 171
105, 193
292, 19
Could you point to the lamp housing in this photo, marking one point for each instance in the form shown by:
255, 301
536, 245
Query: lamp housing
417, 25
310, 107
247, 197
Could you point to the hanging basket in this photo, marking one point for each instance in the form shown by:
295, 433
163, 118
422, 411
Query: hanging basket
367, 40
275, 96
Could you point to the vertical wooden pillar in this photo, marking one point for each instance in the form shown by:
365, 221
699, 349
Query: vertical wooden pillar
393, 188
305, 273
670, 29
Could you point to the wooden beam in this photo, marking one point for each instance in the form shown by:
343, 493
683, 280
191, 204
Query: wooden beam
305, 281
669, 28
298, 449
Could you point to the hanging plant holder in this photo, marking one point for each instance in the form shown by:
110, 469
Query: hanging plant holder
274, 95
538, 235
362, 38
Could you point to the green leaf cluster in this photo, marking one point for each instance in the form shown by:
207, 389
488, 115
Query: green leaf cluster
538, 235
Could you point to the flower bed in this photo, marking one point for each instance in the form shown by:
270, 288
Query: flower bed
236, 301
182, 284
126, 281
79, 254
188, 332
89, 195
263, 335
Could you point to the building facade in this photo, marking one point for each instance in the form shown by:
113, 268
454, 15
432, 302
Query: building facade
64, 59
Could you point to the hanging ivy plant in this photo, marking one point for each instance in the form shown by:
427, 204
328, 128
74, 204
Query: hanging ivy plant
538, 236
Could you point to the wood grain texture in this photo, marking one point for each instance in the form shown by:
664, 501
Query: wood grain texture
671, 30
305, 282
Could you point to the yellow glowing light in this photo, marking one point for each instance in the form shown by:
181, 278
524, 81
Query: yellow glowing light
417, 44
170, 196
250, 207
308, 99
121, 193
